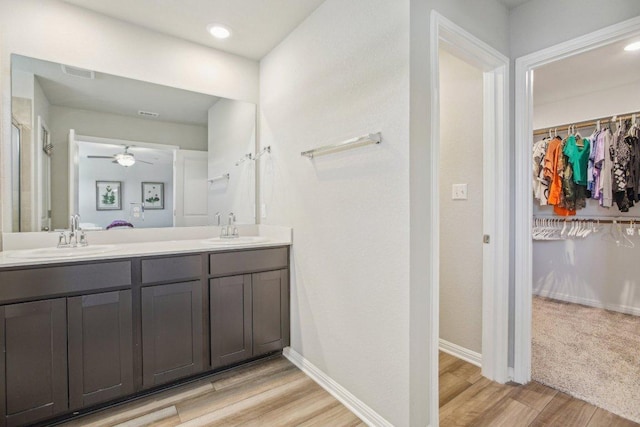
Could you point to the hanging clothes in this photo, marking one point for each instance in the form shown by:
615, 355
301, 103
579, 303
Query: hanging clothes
540, 183
621, 173
604, 166
597, 151
574, 180
606, 194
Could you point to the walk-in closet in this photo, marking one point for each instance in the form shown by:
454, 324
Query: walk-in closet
586, 227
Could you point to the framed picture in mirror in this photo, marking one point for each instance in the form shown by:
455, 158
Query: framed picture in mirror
108, 195
153, 195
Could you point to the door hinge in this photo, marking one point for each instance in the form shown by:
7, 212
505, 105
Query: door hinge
485, 239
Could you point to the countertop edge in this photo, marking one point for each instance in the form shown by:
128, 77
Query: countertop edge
135, 250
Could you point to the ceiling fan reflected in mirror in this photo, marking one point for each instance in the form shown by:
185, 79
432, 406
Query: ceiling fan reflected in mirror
125, 158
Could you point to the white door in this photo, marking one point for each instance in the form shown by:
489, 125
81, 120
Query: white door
191, 188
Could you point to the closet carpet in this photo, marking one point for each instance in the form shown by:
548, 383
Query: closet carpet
589, 353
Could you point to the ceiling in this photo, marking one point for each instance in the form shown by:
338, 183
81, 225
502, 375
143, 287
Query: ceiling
117, 95
596, 70
512, 3
257, 25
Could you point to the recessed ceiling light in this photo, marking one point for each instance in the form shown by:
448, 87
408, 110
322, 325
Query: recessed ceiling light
632, 46
219, 31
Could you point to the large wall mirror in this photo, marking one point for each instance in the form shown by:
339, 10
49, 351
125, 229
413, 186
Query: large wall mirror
123, 152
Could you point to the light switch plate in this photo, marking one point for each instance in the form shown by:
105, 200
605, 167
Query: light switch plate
459, 192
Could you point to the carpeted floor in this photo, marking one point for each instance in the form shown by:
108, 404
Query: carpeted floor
589, 353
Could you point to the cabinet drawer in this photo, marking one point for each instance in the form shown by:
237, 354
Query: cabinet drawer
171, 268
229, 263
50, 281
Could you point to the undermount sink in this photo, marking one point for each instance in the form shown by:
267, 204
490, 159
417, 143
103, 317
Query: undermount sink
63, 252
242, 240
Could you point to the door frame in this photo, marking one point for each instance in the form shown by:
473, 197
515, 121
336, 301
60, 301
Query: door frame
523, 260
495, 136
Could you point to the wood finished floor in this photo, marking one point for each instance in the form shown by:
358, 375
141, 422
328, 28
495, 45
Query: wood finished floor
468, 399
272, 392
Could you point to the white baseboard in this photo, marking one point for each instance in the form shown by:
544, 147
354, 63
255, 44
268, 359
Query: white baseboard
588, 302
355, 405
461, 352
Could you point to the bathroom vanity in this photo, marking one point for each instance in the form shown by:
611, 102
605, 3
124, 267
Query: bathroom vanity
77, 335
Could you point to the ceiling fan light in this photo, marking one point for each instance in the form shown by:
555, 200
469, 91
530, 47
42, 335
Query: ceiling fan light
125, 159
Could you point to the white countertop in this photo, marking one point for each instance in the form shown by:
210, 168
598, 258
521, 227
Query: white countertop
276, 236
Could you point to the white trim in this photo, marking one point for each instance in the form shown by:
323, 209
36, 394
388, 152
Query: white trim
355, 405
523, 204
461, 353
495, 298
434, 249
626, 309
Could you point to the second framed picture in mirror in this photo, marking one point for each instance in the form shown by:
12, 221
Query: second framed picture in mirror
153, 195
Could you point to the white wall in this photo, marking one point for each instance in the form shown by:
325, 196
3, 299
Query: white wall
42, 170
85, 122
232, 135
538, 24
41, 105
344, 73
23, 86
105, 125
56, 31
461, 98
589, 106
132, 177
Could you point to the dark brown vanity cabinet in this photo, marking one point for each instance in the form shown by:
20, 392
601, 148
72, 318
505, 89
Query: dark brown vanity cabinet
270, 296
60, 336
78, 335
231, 319
249, 312
100, 337
33, 361
172, 317
171, 332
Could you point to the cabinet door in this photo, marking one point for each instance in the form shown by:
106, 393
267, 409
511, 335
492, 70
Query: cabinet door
33, 361
171, 332
100, 348
230, 313
270, 295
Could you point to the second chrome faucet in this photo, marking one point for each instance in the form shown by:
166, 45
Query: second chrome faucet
230, 231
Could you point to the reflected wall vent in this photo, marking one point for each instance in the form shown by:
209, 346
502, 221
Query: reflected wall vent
147, 114
78, 72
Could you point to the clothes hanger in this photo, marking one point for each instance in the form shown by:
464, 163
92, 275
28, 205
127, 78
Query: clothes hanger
610, 236
563, 232
589, 228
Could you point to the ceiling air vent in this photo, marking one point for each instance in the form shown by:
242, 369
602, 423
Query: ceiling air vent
147, 114
78, 72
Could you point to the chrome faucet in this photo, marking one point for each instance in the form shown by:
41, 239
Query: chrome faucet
69, 239
230, 231
217, 216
